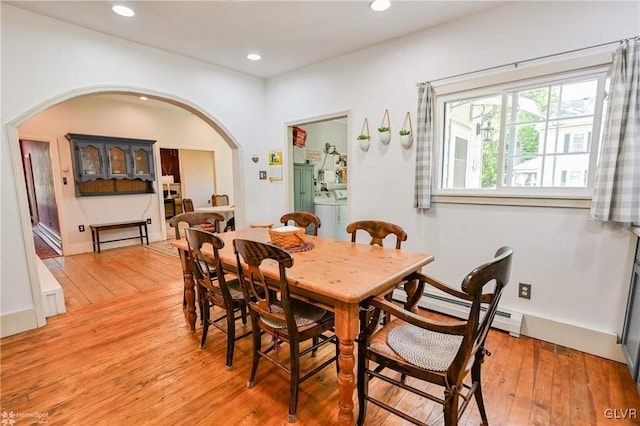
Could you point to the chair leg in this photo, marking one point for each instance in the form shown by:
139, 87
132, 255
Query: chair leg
231, 338
387, 316
295, 381
337, 356
451, 408
476, 377
314, 341
363, 386
257, 346
204, 314
243, 313
201, 304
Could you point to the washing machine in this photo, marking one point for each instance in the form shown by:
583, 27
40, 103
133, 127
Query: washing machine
331, 208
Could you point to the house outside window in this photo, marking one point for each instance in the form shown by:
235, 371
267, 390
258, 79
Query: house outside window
530, 138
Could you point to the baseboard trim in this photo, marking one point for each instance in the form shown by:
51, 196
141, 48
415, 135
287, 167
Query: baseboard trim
593, 342
52, 294
17, 322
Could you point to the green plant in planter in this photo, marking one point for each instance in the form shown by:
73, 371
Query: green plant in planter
383, 129
363, 137
404, 132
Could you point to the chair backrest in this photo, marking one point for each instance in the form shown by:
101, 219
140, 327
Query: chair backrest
206, 270
378, 230
187, 205
219, 200
196, 218
302, 219
474, 284
254, 284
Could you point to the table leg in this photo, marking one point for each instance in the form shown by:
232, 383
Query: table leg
346, 331
189, 285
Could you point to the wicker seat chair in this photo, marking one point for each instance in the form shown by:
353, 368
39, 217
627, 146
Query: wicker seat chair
442, 353
187, 205
286, 319
206, 220
378, 230
304, 220
215, 290
219, 200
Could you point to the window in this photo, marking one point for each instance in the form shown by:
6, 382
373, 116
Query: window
532, 138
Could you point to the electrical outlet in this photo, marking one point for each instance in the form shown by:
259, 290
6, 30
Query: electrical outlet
524, 291
81, 228
149, 221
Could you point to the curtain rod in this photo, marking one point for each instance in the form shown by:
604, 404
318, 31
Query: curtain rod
515, 64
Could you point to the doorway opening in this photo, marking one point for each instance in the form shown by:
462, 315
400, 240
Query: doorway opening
43, 207
66, 201
320, 172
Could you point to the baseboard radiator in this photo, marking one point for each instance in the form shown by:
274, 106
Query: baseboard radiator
505, 320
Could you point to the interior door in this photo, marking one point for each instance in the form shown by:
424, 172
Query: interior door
197, 170
31, 190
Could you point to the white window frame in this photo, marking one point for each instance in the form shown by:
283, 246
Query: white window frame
543, 196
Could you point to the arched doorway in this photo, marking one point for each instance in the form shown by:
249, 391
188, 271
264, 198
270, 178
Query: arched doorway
13, 139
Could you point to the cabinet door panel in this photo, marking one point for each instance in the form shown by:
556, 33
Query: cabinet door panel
90, 161
118, 167
142, 162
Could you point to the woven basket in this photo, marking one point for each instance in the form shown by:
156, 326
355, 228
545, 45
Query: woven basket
287, 236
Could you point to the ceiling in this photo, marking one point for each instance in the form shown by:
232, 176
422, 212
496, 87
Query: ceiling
288, 34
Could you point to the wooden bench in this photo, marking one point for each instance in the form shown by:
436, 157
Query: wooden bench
96, 229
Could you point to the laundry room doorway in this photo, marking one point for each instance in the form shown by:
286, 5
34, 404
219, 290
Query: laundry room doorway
320, 166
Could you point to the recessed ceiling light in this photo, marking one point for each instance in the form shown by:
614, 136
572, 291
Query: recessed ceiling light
143, 98
380, 5
123, 10
254, 57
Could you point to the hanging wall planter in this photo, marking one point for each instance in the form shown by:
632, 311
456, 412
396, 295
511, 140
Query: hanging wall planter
364, 138
384, 131
406, 133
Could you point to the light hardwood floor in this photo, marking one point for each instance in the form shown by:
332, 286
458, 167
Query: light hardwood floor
123, 354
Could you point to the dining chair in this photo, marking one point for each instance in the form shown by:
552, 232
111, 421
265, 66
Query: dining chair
215, 290
187, 205
285, 319
223, 200
302, 219
441, 353
219, 200
206, 220
378, 230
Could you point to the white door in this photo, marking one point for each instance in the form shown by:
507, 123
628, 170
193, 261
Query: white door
197, 171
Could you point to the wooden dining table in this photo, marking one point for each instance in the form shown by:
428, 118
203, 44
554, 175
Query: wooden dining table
337, 275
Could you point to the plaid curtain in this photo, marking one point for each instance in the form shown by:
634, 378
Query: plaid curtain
424, 147
616, 194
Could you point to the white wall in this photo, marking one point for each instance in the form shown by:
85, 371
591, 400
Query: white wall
46, 61
579, 270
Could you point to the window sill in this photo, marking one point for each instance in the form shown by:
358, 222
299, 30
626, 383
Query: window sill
527, 201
